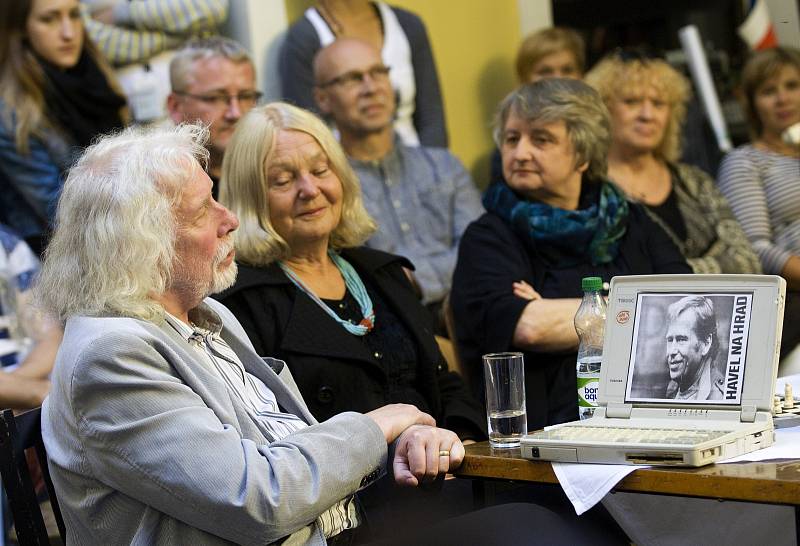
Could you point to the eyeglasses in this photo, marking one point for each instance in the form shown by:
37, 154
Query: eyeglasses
246, 99
356, 77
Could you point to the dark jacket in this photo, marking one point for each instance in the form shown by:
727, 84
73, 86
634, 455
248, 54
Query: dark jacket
334, 369
492, 257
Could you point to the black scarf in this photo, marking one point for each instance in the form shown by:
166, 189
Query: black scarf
79, 100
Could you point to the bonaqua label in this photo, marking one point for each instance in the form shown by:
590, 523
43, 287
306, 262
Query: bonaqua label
587, 391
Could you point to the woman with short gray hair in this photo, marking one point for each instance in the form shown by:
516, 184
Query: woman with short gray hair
517, 283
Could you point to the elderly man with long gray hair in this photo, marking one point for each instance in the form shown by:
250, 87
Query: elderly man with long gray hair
163, 425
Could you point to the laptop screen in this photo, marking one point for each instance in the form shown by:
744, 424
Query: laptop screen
689, 347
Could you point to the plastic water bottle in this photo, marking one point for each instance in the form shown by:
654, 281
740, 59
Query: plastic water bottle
590, 323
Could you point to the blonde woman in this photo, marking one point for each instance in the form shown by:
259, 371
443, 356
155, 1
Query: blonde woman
647, 99
344, 317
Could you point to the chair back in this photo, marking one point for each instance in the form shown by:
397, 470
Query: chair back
18, 434
455, 362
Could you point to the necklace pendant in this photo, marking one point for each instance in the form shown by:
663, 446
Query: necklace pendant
367, 323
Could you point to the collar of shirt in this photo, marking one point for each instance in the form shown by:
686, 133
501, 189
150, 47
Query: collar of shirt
202, 318
259, 400
392, 156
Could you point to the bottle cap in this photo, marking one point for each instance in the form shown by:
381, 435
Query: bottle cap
591, 283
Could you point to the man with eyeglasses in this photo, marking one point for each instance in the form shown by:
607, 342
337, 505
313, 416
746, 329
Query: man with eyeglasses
214, 82
422, 198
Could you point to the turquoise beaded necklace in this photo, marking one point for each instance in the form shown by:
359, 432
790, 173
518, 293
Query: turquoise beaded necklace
356, 287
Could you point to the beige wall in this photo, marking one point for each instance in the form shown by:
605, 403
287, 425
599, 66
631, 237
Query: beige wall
474, 42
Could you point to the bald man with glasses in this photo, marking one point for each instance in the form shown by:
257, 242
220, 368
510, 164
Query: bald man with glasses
213, 82
422, 198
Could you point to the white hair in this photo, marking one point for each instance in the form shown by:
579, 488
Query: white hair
113, 247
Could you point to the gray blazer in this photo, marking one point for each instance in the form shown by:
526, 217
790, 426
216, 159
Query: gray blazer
147, 445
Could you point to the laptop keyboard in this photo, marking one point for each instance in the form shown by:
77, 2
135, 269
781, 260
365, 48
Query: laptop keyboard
630, 435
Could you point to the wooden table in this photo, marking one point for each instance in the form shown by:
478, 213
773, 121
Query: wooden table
770, 482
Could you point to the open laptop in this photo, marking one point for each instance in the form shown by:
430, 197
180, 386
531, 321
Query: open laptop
669, 394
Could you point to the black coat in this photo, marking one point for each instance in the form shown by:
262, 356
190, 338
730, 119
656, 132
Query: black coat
491, 257
334, 369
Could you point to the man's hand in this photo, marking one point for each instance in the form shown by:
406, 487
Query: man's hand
424, 452
104, 14
395, 418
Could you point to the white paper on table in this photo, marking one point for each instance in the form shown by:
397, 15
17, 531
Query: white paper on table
786, 446
586, 484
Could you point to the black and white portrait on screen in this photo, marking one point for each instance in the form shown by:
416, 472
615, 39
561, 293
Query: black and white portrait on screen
689, 347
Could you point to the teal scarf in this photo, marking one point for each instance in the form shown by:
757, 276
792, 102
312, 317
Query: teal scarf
593, 232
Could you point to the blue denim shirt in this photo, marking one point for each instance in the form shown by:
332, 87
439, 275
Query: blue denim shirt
423, 199
30, 183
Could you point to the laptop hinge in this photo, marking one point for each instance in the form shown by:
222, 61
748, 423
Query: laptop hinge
618, 410
748, 414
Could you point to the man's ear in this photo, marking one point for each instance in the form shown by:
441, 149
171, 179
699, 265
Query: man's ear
582, 167
174, 108
707, 342
321, 98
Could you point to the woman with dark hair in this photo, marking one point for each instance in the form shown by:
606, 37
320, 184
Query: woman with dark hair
56, 95
517, 283
762, 179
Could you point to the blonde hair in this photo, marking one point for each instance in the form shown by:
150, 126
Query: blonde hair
113, 247
571, 101
22, 80
545, 42
615, 74
244, 186
761, 66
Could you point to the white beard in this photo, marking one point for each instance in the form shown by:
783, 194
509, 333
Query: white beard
220, 280
223, 279
197, 280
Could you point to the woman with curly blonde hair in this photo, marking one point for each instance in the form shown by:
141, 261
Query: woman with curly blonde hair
647, 100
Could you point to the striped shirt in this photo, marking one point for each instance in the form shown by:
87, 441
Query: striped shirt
763, 189
144, 29
259, 400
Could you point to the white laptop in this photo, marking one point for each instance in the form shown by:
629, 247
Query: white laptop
669, 393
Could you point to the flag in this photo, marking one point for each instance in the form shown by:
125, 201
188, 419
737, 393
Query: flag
757, 29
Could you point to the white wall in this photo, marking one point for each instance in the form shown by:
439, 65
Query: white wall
533, 15
260, 25
786, 20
